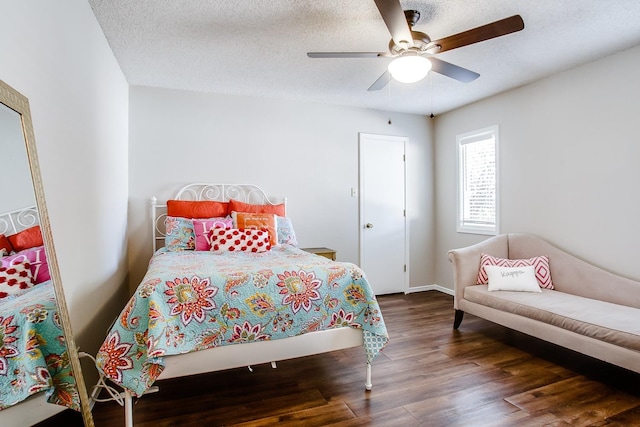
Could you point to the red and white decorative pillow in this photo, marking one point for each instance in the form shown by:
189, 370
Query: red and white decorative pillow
540, 265
234, 240
36, 257
15, 279
202, 228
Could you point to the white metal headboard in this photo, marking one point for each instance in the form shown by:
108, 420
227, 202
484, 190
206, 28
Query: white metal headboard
18, 220
246, 193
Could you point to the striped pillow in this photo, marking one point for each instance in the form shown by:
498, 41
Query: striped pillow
540, 265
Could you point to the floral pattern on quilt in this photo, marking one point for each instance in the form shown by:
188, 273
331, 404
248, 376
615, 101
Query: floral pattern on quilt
192, 301
33, 353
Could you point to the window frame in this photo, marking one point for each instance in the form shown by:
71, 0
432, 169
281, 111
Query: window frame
469, 138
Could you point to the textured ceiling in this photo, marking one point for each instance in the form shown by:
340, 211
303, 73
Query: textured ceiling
258, 47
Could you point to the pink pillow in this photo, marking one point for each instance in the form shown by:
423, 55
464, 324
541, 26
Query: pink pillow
540, 265
202, 227
37, 257
234, 240
15, 279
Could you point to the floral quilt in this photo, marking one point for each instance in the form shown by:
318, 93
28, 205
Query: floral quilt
194, 300
33, 353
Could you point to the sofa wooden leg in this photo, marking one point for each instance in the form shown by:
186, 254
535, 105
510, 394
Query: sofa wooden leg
458, 318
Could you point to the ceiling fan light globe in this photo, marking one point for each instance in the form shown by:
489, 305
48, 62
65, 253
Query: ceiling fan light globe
409, 69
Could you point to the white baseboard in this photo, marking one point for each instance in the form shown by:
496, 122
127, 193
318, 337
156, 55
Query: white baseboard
439, 288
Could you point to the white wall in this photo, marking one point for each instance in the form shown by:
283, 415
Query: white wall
306, 152
55, 54
569, 152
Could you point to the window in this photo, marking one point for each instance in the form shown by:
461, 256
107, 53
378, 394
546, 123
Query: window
478, 181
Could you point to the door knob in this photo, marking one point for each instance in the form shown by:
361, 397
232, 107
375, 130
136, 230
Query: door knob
368, 225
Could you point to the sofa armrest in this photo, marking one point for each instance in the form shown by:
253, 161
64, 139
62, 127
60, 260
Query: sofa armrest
466, 262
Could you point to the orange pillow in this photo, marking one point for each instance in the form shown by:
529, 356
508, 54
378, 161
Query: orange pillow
5, 244
238, 206
25, 239
260, 221
197, 209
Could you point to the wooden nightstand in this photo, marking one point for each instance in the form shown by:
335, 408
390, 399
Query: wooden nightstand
325, 252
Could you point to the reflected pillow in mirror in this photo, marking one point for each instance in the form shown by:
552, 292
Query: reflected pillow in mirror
15, 279
5, 244
25, 239
202, 227
286, 235
36, 257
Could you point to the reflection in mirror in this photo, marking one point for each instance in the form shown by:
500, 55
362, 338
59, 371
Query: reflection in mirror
39, 367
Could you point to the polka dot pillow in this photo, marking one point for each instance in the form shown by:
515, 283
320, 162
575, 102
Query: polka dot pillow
234, 240
15, 279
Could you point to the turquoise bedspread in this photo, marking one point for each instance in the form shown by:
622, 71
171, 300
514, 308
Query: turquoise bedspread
194, 300
33, 353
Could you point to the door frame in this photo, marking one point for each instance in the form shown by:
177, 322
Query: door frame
361, 220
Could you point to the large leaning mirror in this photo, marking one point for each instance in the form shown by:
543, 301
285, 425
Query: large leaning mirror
40, 372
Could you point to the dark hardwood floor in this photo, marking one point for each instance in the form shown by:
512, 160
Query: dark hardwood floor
429, 375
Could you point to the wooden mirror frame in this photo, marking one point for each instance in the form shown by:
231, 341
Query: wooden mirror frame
20, 104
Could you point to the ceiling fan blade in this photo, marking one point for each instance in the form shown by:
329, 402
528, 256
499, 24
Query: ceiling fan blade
346, 54
396, 22
381, 82
478, 34
450, 70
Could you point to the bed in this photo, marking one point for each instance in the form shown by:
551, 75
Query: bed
199, 311
34, 364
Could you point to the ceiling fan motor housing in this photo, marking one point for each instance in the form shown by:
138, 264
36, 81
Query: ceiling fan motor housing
421, 44
421, 41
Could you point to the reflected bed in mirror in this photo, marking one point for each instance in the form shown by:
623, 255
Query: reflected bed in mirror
39, 367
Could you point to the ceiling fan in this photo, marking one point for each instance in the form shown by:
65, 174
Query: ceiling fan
414, 51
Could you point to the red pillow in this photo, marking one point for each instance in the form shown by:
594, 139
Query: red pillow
25, 239
197, 209
5, 244
238, 206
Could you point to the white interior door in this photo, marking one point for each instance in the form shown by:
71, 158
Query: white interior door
383, 236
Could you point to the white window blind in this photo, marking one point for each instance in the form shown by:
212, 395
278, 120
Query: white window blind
478, 182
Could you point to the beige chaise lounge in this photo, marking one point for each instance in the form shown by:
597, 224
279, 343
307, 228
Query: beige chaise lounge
590, 311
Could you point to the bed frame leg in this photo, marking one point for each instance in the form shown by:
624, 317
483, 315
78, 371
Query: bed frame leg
368, 384
459, 314
128, 409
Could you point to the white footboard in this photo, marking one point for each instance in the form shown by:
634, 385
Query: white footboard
256, 353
